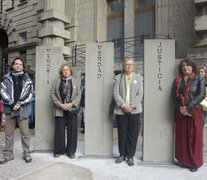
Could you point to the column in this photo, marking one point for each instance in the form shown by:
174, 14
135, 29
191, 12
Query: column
49, 57
99, 83
159, 73
129, 27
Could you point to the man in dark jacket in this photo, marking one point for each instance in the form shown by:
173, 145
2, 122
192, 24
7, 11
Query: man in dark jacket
16, 92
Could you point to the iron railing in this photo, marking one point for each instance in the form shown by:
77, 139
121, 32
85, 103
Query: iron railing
123, 47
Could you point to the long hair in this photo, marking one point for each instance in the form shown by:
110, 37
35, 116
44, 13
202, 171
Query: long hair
18, 58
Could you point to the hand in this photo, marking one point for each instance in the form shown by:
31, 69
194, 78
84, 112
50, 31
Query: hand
16, 107
184, 111
65, 107
127, 108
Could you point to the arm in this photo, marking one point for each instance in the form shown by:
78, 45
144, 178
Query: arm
27, 93
200, 95
76, 101
118, 99
174, 98
53, 95
5, 95
140, 90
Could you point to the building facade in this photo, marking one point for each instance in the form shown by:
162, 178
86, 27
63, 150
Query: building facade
26, 24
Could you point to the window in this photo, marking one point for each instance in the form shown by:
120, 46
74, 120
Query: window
115, 8
12, 3
144, 5
23, 55
23, 38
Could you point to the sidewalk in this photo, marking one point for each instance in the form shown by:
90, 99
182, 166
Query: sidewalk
44, 166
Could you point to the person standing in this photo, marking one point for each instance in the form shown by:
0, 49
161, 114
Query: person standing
203, 72
128, 93
16, 92
65, 94
188, 91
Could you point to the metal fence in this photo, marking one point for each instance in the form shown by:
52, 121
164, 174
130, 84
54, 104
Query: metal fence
123, 47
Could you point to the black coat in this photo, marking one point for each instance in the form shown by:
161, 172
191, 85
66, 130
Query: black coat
196, 94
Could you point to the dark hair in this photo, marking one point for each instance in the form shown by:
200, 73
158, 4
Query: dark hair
17, 58
189, 62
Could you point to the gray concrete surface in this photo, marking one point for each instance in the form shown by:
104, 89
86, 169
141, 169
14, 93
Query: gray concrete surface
45, 166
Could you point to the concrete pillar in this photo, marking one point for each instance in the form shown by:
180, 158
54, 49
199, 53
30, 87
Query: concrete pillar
49, 57
161, 9
99, 82
129, 23
159, 73
100, 20
54, 21
48, 60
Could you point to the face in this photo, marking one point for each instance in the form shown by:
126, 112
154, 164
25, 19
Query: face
202, 72
187, 69
129, 67
66, 72
18, 65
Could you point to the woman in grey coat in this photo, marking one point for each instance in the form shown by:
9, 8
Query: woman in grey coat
128, 93
65, 93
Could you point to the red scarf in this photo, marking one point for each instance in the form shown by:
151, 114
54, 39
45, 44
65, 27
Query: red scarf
183, 97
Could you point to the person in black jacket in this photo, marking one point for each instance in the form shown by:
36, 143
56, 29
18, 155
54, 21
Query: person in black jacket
188, 92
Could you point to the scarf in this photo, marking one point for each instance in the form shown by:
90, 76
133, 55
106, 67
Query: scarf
16, 73
66, 89
183, 97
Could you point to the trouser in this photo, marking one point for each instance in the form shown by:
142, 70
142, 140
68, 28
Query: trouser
59, 141
9, 135
128, 130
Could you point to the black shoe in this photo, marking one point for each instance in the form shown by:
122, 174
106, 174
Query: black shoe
120, 159
5, 160
130, 161
193, 169
83, 131
72, 156
27, 158
182, 166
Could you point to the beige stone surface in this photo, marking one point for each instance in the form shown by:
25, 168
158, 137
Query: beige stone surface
200, 23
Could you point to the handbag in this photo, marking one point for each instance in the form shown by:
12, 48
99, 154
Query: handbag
74, 110
204, 105
111, 107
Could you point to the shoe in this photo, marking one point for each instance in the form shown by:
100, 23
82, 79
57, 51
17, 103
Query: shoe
193, 169
83, 131
120, 159
72, 156
27, 158
130, 161
57, 155
5, 160
182, 166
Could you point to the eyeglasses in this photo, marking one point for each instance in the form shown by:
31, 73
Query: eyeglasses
129, 64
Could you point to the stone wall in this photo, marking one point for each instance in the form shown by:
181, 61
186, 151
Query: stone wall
85, 18
181, 25
24, 19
